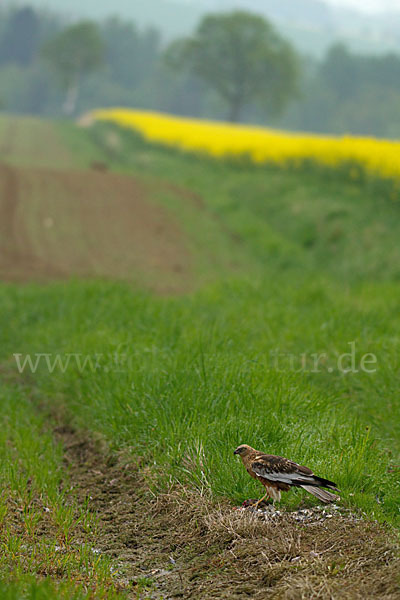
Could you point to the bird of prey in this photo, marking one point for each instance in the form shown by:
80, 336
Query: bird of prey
280, 474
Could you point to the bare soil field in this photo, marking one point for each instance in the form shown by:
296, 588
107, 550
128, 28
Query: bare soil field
64, 222
81, 223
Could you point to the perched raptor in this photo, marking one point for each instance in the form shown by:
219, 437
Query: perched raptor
280, 474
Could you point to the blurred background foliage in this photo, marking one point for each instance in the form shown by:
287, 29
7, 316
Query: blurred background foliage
119, 62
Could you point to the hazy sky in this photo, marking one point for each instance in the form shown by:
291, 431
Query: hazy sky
369, 5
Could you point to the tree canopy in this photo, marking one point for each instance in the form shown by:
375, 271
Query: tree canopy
73, 53
341, 93
241, 57
20, 40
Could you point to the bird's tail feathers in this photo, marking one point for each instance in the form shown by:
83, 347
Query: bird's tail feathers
325, 483
321, 494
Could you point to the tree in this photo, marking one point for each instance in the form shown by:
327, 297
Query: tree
73, 54
340, 72
242, 58
20, 39
130, 54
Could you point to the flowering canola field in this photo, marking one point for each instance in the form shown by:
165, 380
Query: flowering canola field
378, 157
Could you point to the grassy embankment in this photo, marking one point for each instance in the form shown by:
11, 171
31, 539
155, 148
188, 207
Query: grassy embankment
304, 266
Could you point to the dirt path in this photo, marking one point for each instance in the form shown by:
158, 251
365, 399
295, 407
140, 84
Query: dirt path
183, 545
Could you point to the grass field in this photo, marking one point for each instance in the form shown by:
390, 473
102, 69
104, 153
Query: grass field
198, 305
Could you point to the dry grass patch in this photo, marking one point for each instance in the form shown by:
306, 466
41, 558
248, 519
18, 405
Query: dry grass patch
183, 544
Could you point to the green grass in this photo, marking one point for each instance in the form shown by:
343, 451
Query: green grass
313, 221
33, 142
41, 524
301, 266
28, 588
196, 377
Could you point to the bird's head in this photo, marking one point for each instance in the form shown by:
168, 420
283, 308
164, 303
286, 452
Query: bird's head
243, 450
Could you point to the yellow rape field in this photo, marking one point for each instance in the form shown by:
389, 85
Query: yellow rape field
379, 157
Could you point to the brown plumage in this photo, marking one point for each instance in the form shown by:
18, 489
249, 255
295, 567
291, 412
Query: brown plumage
280, 474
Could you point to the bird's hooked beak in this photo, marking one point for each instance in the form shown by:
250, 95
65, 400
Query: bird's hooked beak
235, 452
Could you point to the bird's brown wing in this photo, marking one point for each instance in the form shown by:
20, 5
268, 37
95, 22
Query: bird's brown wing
282, 470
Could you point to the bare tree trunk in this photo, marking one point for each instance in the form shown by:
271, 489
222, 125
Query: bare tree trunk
71, 99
